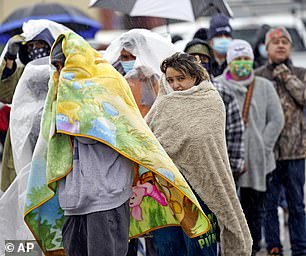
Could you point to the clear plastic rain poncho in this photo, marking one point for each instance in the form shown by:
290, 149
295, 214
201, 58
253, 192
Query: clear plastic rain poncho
32, 28
27, 106
26, 110
150, 49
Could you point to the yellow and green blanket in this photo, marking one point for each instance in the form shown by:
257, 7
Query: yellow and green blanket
91, 99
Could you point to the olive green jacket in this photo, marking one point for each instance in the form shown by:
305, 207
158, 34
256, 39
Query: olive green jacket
7, 89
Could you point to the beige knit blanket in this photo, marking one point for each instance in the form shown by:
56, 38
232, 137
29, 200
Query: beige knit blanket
190, 125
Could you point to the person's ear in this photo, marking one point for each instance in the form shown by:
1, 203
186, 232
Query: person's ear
194, 78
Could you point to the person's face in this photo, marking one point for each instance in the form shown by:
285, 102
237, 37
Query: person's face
279, 49
241, 67
126, 56
223, 36
36, 44
203, 58
243, 58
179, 81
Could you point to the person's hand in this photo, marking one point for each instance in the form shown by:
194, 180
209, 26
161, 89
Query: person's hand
237, 174
281, 72
14, 46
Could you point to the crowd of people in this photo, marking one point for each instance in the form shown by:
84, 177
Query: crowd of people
191, 150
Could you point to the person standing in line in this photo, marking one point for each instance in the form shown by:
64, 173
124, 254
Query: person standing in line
263, 119
84, 205
35, 42
290, 149
259, 47
234, 125
219, 38
188, 118
135, 56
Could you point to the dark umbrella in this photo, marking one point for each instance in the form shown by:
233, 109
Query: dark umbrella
69, 16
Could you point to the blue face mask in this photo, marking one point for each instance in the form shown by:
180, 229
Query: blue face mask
262, 51
221, 44
127, 65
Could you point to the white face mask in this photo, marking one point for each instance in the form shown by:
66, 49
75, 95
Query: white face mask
262, 51
127, 65
221, 44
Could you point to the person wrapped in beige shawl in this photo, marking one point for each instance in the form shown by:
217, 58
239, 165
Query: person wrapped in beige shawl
188, 118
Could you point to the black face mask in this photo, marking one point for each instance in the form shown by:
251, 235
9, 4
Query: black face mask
37, 53
206, 66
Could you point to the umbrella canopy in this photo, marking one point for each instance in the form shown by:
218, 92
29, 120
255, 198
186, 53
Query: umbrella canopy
67, 15
188, 10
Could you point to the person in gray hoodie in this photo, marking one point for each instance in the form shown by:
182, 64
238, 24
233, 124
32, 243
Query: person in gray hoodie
263, 118
97, 190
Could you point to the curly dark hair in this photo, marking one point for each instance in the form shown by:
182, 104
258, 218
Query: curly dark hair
187, 64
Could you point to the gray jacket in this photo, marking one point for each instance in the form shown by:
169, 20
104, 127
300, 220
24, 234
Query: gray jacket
265, 122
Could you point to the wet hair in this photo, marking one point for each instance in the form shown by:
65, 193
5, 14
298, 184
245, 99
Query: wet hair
187, 64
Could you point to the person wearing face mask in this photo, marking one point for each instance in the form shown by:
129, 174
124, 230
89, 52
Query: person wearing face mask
234, 125
27, 50
144, 85
201, 50
263, 119
135, 56
259, 47
290, 150
35, 42
127, 61
219, 38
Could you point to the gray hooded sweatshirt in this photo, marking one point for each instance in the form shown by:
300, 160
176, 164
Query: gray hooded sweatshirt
101, 179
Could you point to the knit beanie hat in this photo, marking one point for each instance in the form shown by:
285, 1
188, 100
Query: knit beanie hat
277, 33
201, 33
239, 48
57, 54
219, 25
198, 46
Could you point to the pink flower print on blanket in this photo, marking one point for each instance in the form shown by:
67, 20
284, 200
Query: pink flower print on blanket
139, 192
